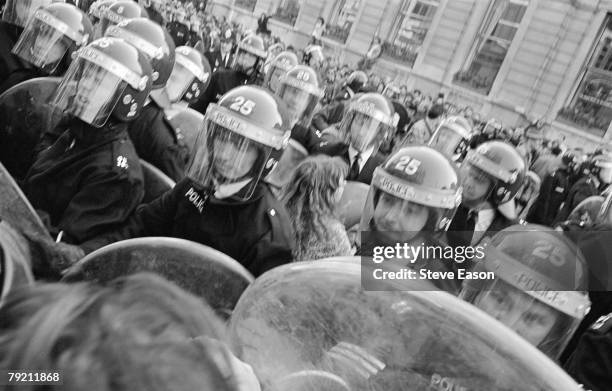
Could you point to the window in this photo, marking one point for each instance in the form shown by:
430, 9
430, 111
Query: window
499, 28
343, 16
248, 5
409, 30
287, 11
591, 106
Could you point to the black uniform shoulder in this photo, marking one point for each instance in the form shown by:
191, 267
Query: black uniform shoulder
124, 159
603, 325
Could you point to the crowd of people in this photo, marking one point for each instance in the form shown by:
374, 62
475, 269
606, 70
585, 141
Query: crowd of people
294, 158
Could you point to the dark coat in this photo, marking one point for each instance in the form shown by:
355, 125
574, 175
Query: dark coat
554, 190
221, 82
156, 142
88, 181
256, 232
13, 70
342, 150
580, 191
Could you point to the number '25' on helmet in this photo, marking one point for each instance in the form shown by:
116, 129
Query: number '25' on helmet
190, 76
417, 189
108, 77
540, 284
52, 34
299, 89
501, 164
240, 141
368, 121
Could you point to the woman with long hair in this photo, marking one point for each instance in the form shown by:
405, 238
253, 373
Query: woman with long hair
311, 196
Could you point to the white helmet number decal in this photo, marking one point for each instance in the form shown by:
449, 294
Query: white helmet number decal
408, 165
243, 105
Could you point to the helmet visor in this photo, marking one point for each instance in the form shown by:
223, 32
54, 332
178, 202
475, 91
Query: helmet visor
18, 12
447, 141
89, 91
300, 103
225, 159
363, 131
180, 81
272, 80
45, 41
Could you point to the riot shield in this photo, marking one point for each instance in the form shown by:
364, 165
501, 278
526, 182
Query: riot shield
352, 203
186, 124
15, 261
17, 211
200, 270
291, 157
155, 181
25, 114
316, 318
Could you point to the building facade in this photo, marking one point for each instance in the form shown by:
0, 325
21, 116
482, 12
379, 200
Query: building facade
513, 60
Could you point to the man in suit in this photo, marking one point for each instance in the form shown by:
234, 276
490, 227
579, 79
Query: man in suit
369, 120
491, 175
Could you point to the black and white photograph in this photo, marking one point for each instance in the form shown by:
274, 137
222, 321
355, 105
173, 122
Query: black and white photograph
306, 195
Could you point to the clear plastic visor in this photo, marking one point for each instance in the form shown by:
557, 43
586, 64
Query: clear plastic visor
89, 92
363, 131
227, 162
272, 79
18, 12
300, 104
43, 45
179, 82
447, 141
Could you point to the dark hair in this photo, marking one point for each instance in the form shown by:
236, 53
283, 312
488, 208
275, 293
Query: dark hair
137, 333
435, 111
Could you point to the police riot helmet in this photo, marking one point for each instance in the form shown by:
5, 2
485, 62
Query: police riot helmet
452, 138
299, 89
120, 11
190, 76
250, 54
18, 12
539, 285
240, 141
280, 65
108, 77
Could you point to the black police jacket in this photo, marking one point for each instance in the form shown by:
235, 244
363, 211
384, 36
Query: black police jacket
553, 192
256, 232
309, 138
156, 142
580, 191
221, 82
179, 33
13, 70
88, 181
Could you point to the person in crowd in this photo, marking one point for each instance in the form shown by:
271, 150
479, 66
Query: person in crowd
247, 60
136, 333
553, 192
599, 177
222, 201
262, 25
48, 41
89, 180
423, 129
153, 137
546, 317
531, 146
318, 31
179, 29
15, 16
311, 197
491, 176
369, 120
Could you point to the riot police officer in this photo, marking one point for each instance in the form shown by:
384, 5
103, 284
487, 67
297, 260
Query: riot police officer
14, 18
538, 287
452, 138
222, 203
154, 138
248, 58
491, 175
369, 120
280, 65
89, 180
190, 76
48, 41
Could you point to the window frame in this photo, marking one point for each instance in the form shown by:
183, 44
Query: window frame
297, 18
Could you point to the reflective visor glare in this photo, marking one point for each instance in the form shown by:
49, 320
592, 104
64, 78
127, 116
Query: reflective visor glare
298, 102
180, 80
363, 131
42, 45
89, 92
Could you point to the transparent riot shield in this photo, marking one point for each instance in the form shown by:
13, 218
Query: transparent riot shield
155, 181
352, 203
312, 326
15, 261
200, 270
19, 213
25, 114
186, 123
291, 157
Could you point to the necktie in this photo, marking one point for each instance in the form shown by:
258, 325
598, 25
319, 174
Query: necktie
354, 172
470, 225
